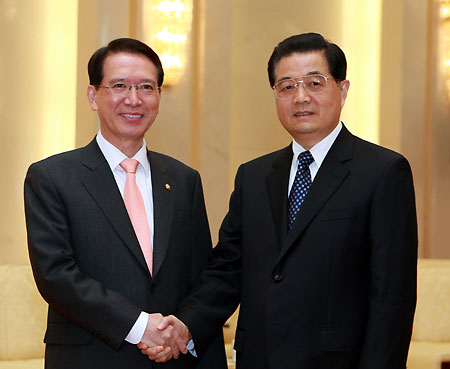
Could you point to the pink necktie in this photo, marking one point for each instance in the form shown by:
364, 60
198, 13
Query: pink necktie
136, 210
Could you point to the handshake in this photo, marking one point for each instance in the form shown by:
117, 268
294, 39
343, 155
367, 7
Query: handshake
164, 338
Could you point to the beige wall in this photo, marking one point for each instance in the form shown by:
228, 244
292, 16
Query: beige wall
437, 153
415, 113
222, 113
37, 110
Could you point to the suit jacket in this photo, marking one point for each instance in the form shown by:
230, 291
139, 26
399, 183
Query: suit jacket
88, 264
338, 290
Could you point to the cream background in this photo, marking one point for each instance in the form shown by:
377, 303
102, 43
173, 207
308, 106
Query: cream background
22, 317
222, 113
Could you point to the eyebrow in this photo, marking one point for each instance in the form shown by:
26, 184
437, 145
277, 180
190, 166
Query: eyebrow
121, 79
312, 73
315, 72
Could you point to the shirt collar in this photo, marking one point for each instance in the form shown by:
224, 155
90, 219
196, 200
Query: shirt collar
320, 149
114, 156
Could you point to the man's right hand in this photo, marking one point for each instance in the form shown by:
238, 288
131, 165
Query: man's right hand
164, 338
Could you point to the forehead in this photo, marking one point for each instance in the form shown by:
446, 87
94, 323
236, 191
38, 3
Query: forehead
128, 66
302, 64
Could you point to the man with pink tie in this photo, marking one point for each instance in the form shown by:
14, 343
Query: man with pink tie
108, 274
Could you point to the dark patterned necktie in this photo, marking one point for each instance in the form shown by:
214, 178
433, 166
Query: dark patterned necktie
300, 187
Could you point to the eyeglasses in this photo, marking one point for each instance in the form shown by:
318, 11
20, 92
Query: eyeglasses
314, 84
121, 89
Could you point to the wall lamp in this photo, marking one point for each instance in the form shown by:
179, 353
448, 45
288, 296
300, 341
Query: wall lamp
166, 25
445, 37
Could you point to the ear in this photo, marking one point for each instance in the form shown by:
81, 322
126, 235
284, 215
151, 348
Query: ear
91, 95
345, 85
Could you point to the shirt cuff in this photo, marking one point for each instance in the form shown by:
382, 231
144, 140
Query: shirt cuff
191, 348
137, 331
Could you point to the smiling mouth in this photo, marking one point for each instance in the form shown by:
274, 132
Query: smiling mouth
302, 114
132, 116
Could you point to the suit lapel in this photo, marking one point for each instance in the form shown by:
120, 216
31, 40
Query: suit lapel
331, 174
164, 191
100, 183
277, 186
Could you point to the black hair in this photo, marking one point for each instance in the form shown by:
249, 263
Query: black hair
307, 42
121, 45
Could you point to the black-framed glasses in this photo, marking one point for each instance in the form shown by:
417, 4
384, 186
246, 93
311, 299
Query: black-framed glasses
313, 83
121, 89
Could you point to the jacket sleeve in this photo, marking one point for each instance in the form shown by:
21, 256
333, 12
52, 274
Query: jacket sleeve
213, 356
393, 268
216, 293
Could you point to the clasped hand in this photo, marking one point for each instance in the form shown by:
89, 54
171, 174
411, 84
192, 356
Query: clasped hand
164, 338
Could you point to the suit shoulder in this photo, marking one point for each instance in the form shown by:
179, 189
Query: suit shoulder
375, 158
376, 151
60, 159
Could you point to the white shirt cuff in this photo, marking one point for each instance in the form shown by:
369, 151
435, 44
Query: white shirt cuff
137, 331
191, 348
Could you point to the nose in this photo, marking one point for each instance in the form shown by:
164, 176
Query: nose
301, 94
132, 97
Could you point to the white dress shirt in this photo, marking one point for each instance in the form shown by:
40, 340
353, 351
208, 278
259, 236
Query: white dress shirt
144, 181
318, 151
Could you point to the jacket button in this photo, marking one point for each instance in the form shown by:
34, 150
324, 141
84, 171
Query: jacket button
278, 277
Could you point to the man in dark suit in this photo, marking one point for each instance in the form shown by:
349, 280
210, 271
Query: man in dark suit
319, 246
104, 297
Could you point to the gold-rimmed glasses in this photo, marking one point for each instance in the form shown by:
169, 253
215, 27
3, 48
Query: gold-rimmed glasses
122, 89
313, 83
